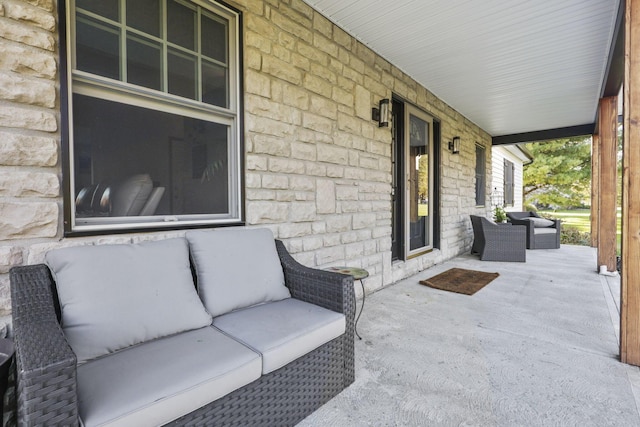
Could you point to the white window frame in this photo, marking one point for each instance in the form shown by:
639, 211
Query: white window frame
84, 83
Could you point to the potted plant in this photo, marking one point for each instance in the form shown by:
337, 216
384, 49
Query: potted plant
499, 214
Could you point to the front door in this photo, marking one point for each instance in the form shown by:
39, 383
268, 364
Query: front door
413, 181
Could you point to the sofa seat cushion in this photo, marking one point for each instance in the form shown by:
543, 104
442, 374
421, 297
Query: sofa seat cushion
116, 296
236, 268
548, 230
282, 331
159, 381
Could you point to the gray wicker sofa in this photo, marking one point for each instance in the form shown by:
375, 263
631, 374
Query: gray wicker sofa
269, 358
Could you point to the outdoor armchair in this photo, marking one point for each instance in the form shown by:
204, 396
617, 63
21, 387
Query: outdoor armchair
498, 242
542, 233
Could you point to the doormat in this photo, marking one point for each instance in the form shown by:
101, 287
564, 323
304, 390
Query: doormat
459, 280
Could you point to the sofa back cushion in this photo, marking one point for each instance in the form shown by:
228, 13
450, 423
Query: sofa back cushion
236, 268
540, 222
116, 296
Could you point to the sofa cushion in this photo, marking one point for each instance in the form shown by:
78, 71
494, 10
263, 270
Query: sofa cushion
282, 331
162, 380
548, 230
540, 222
115, 296
236, 268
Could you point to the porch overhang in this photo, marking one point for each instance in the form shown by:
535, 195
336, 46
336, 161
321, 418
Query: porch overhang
522, 71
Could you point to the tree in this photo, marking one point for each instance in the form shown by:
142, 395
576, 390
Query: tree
560, 174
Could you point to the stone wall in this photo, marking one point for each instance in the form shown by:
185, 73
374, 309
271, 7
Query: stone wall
29, 133
318, 170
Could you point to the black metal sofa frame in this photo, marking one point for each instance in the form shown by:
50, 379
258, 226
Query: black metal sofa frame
46, 365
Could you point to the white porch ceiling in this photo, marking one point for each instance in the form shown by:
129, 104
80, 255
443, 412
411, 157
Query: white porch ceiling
510, 66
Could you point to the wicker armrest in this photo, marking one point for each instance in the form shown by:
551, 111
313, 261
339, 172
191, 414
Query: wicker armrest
46, 365
333, 291
530, 228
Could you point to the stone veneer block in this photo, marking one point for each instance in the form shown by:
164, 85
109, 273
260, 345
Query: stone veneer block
27, 150
42, 4
26, 35
28, 220
31, 15
28, 184
27, 61
25, 118
27, 91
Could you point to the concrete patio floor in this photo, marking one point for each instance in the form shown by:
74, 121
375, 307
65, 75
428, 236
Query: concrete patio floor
538, 346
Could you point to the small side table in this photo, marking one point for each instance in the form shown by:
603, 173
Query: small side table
358, 274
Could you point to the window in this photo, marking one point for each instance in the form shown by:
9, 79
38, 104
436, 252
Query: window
481, 181
508, 183
153, 114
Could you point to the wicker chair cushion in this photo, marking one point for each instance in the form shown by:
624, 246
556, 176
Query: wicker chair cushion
548, 230
539, 222
282, 331
149, 295
236, 268
161, 380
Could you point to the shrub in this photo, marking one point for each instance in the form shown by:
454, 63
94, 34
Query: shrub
530, 207
573, 236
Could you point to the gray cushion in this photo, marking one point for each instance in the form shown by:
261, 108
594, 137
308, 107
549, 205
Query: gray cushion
540, 222
115, 296
282, 331
236, 268
159, 381
548, 230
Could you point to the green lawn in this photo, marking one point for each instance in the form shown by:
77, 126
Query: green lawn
577, 218
580, 219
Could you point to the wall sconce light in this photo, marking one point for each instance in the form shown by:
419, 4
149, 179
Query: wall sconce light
454, 145
381, 114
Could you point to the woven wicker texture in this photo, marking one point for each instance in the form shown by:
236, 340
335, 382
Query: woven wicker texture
498, 242
536, 241
46, 366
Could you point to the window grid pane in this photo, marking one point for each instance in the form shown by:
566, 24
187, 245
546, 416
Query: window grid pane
98, 48
171, 34
144, 62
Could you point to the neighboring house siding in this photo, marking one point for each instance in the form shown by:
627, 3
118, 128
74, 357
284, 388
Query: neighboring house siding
499, 155
317, 168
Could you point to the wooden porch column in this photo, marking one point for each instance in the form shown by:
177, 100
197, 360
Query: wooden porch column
607, 123
630, 277
595, 188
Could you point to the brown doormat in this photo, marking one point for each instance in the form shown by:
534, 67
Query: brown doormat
459, 280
